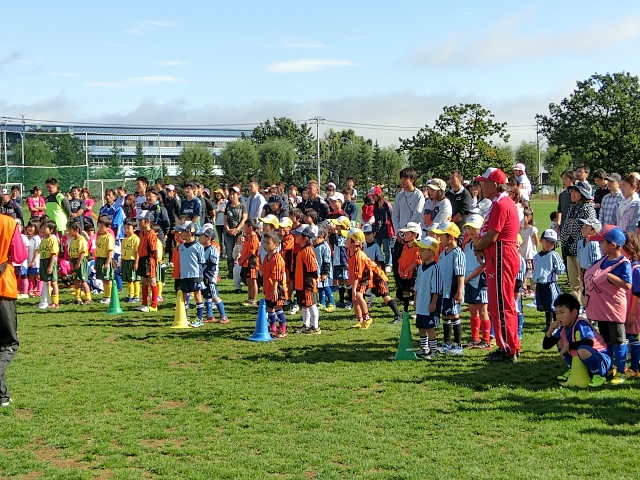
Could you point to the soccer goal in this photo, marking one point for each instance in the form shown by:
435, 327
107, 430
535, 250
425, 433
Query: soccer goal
98, 186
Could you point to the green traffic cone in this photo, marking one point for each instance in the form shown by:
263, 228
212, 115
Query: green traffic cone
114, 304
405, 347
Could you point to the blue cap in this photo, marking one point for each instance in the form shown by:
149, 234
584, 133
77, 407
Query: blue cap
615, 235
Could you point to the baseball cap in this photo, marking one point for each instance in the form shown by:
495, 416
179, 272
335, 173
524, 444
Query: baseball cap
492, 174
584, 189
550, 235
275, 199
145, 215
5, 191
412, 227
170, 187
595, 223
375, 190
235, 189
449, 228
428, 243
271, 220
342, 221
336, 196
519, 240
367, 228
305, 230
207, 229
520, 166
330, 185
188, 227
286, 223
614, 177
437, 184
207, 192
474, 221
603, 231
356, 235
614, 235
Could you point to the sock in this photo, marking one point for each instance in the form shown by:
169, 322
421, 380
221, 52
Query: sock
55, 299
131, 289
341, 292
520, 324
88, 295
145, 294
188, 300
40, 286
160, 287
32, 285
283, 320
154, 298
475, 329
77, 293
567, 359
457, 331
329, 293
199, 310
621, 357
394, 308
424, 344
349, 294
315, 316
272, 320
486, 330
446, 330
209, 306
634, 350
107, 290
433, 345
611, 353
306, 317
137, 287
405, 301
220, 307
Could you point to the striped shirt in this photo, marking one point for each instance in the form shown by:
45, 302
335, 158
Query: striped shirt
428, 282
471, 263
306, 269
452, 265
374, 252
323, 259
608, 208
588, 253
273, 270
546, 267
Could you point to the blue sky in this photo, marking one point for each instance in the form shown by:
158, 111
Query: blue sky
398, 63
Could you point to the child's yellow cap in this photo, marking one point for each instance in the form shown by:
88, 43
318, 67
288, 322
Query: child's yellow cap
428, 243
342, 221
449, 228
356, 235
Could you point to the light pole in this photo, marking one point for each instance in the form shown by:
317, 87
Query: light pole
318, 121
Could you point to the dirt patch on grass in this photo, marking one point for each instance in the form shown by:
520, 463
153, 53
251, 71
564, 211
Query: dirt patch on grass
169, 405
205, 408
46, 453
161, 443
24, 413
32, 476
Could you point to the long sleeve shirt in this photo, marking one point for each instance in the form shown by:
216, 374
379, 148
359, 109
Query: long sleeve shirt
407, 207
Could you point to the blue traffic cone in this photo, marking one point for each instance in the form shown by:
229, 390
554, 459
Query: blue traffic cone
261, 332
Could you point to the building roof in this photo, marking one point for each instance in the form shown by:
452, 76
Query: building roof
130, 131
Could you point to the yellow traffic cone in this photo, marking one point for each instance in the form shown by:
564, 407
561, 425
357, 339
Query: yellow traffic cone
579, 376
180, 317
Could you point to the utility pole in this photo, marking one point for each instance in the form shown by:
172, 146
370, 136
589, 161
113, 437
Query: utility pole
538, 146
318, 121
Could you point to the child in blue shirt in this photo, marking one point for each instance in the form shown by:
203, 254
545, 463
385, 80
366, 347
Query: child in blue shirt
547, 265
325, 270
428, 301
211, 273
589, 251
191, 269
349, 207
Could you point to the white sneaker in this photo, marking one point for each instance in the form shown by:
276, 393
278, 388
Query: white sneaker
143, 308
105, 301
294, 309
6, 403
23, 295
387, 269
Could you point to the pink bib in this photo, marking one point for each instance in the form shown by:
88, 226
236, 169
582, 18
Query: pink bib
605, 302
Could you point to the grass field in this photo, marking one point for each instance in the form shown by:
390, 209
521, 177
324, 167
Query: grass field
126, 397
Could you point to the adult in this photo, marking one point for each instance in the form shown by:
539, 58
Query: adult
571, 233
497, 249
568, 178
141, 191
627, 213
383, 224
89, 203
15, 195
12, 250
121, 193
235, 216
160, 214
600, 179
607, 214
408, 206
77, 206
57, 208
315, 201
582, 175
173, 210
161, 189
255, 201
460, 199
219, 206
115, 214
524, 184
437, 208
351, 183
36, 202
203, 194
10, 207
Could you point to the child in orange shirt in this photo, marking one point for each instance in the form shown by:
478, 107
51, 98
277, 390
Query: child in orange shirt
274, 284
147, 261
306, 275
250, 260
409, 261
359, 277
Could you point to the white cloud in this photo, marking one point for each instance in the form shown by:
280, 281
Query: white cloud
173, 63
308, 65
151, 79
505, 42
64, 74
11, 58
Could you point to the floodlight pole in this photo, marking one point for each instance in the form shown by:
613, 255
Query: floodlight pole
317, 121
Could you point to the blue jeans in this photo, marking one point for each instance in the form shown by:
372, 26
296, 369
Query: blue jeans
385, 245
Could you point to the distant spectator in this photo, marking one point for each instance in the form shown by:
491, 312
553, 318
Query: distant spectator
599, 177
519, 170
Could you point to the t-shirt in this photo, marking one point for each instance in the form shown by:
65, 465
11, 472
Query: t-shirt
49, 246
148, 243
373, 251
191, 260
77, 204
622, 271
525, 189
191, 207
273, 270
234, 214
105, 243
251, 247
428, 283
358, 266
410, 254
528, 248
306, 269
460, 203
34, 245
503, 218
452, 266
129, 247
79, 246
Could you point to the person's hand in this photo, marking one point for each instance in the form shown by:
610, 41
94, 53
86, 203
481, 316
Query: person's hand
323, 278
565, 349
432, 307
480, 257
466, 280
274, 295
50, 270
458, 297
106, 266
135, 265
630, 320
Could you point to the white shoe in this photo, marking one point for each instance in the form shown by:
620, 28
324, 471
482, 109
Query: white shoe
387, 269
23, 295
143, 308
6, 403
294, 309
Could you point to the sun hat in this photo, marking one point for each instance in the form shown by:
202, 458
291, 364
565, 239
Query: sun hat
593, 222
356, 235
584, 189
520, 166
437, 184
271, 220
412, 227
337, 196
286, 223
342, 221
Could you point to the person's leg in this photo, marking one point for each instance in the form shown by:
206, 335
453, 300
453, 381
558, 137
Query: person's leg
9, 348
595, 362
221, 240
145, 291
573, 275
395, 257
474, 311
237, 277
634, 350
229, 243
619, 343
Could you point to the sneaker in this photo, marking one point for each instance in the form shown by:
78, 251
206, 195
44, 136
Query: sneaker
23, 295
348, 306
223, 320
197, 324
330, 309
597, 381
294, 309
396, 320
134, 300
515, 358
422, 353
483, 345
496, 356
631, 375
432, 355
564, 377
357, 325
249, 303
340, 304
618, 379
105, 301
472, 343
531, 305
160, 299
367, 323
238, 291
126, 300
387, 269
210, 320
54, 305
455, 349
143, 309
77, 302
301, 330
444, 348
281, 334
312, 331
320, 307
153, 309
6, 403
87, 302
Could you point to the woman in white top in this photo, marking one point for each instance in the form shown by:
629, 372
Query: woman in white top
219, 206
627, 212
437, 208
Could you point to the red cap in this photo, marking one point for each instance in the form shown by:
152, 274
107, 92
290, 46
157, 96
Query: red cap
492, 175
601, 234
375, 190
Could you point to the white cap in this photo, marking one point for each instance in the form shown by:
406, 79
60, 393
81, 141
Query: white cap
336, 196
550, 235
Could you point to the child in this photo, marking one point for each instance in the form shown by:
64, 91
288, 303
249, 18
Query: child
428, 301
295, 217
211, 274
529, 246
274, 285
519, 283
33, 260
547, 265
606, 284
554, 221
161, 268
632, 324
338, 229
191, 270
350, 208
78, 253
270, 223
250, 261
475, 288
90, 232
191, 204
129, 206
311, 218
146, 261
588, 251
371, 248
305, 277
129, 246
325, 270
359, 276
368, 208
21, 269
408, 263
286, 249
576, 337
451, 263
237, 268
105, 244
48, 251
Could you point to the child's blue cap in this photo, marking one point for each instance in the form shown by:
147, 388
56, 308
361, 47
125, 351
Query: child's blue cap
615, 235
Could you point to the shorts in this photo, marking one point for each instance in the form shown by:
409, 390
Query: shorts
450, 307
340, 273
101, 273
248, 272
81, 274
191, 285
146, 267
128, 273
427, 321
161, 271
475, 296
306, 298
277, 305
612, 333
21, 271
210, 290
406, 284
176, 284
546, 294
363, 288
33, 271
380, 289
46, 277
602, 357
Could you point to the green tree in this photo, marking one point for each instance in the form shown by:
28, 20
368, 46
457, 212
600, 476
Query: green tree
527, 153
37, 153
388, 163
277, 161
114, 166
556, 162
345, 154
196, 163
462, 138
239, 162
599, 123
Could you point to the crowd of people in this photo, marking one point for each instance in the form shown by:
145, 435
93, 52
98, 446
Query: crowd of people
473, 242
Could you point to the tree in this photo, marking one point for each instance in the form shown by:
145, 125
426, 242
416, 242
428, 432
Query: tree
68, 152
461, 138
527, 153
196, 163
239, 162
114, 166
345, 154
556, 162
277, 161
37, 153
388, 163
599, 123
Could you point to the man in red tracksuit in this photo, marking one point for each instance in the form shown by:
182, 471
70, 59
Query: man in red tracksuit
497, 247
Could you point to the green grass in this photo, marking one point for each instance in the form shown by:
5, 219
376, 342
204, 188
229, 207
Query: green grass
98, 396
